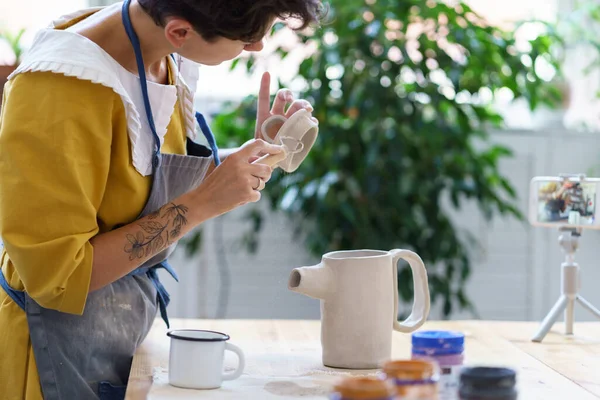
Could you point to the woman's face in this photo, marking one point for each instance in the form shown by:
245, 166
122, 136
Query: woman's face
191, 45
216, 51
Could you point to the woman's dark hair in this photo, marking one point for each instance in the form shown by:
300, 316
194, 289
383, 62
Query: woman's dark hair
246, 20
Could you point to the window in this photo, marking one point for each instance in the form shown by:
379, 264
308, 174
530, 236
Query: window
508, 11
31, 15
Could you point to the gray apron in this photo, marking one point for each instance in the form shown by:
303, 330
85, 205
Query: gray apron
89, 356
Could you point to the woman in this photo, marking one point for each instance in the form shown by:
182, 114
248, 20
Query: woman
99, 178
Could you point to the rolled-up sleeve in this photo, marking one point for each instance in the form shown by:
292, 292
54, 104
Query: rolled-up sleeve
55, 144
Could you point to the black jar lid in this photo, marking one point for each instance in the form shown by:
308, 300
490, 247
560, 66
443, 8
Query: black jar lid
488, 382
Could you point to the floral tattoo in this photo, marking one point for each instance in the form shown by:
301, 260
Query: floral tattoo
150, 239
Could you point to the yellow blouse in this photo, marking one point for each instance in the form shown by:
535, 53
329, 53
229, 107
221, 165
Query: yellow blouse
66, 175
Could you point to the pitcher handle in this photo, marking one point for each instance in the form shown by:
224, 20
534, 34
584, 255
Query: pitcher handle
421, 304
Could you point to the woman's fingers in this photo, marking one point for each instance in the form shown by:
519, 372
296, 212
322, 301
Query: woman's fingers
282, 98
253, 158
260, 171
264, 98
298, 105
257, 183
258, 146
261, 185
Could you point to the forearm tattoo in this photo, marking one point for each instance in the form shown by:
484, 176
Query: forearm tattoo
159, 231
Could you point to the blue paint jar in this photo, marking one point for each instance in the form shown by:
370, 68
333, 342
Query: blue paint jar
446, 348
488, 383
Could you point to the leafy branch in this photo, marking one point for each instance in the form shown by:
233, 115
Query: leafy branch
404, 91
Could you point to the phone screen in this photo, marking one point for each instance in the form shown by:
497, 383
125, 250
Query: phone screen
566, 202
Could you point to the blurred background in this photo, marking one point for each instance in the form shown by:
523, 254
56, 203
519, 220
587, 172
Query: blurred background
434, 116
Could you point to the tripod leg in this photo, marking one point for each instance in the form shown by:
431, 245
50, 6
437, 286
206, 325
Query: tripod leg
569, 316
587, 305
550, 319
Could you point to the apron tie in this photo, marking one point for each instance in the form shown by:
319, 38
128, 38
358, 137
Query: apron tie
162, 295
17, 296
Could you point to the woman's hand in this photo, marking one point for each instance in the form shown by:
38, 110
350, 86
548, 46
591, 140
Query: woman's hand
236, 181
282, 99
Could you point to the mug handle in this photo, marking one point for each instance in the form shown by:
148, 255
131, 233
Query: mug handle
421, 304
241, 364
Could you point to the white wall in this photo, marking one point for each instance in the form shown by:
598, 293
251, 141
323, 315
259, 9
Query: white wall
31, 15
516, 275
35, 14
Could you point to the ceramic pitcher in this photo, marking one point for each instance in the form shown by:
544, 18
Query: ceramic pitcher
359, 301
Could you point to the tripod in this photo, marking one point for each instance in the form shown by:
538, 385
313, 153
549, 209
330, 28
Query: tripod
570, 283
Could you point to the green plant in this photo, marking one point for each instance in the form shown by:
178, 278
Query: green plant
14, 40
403, 93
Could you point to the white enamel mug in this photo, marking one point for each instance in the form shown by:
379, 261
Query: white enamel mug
196, 359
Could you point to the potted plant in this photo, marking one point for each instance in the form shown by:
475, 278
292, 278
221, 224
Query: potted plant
14, 41
403, 91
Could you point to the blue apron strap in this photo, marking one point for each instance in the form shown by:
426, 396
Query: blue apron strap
210, 137
142, 74
17, 295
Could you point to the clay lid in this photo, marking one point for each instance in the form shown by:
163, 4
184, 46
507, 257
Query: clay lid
364, 388
411, 370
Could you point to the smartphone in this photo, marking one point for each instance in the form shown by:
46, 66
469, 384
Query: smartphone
568, 202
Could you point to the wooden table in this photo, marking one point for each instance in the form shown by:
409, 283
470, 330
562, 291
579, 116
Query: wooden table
286, 356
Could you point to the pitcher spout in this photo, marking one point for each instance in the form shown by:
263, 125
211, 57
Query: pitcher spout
315, 281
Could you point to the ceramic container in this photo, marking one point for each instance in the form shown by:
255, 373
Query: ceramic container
414, 379
446, 348
363, 388
359, 301
196, 359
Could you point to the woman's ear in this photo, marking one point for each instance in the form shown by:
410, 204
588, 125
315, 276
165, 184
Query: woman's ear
177, 31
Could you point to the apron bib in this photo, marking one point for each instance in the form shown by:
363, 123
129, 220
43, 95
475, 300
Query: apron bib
89, 356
